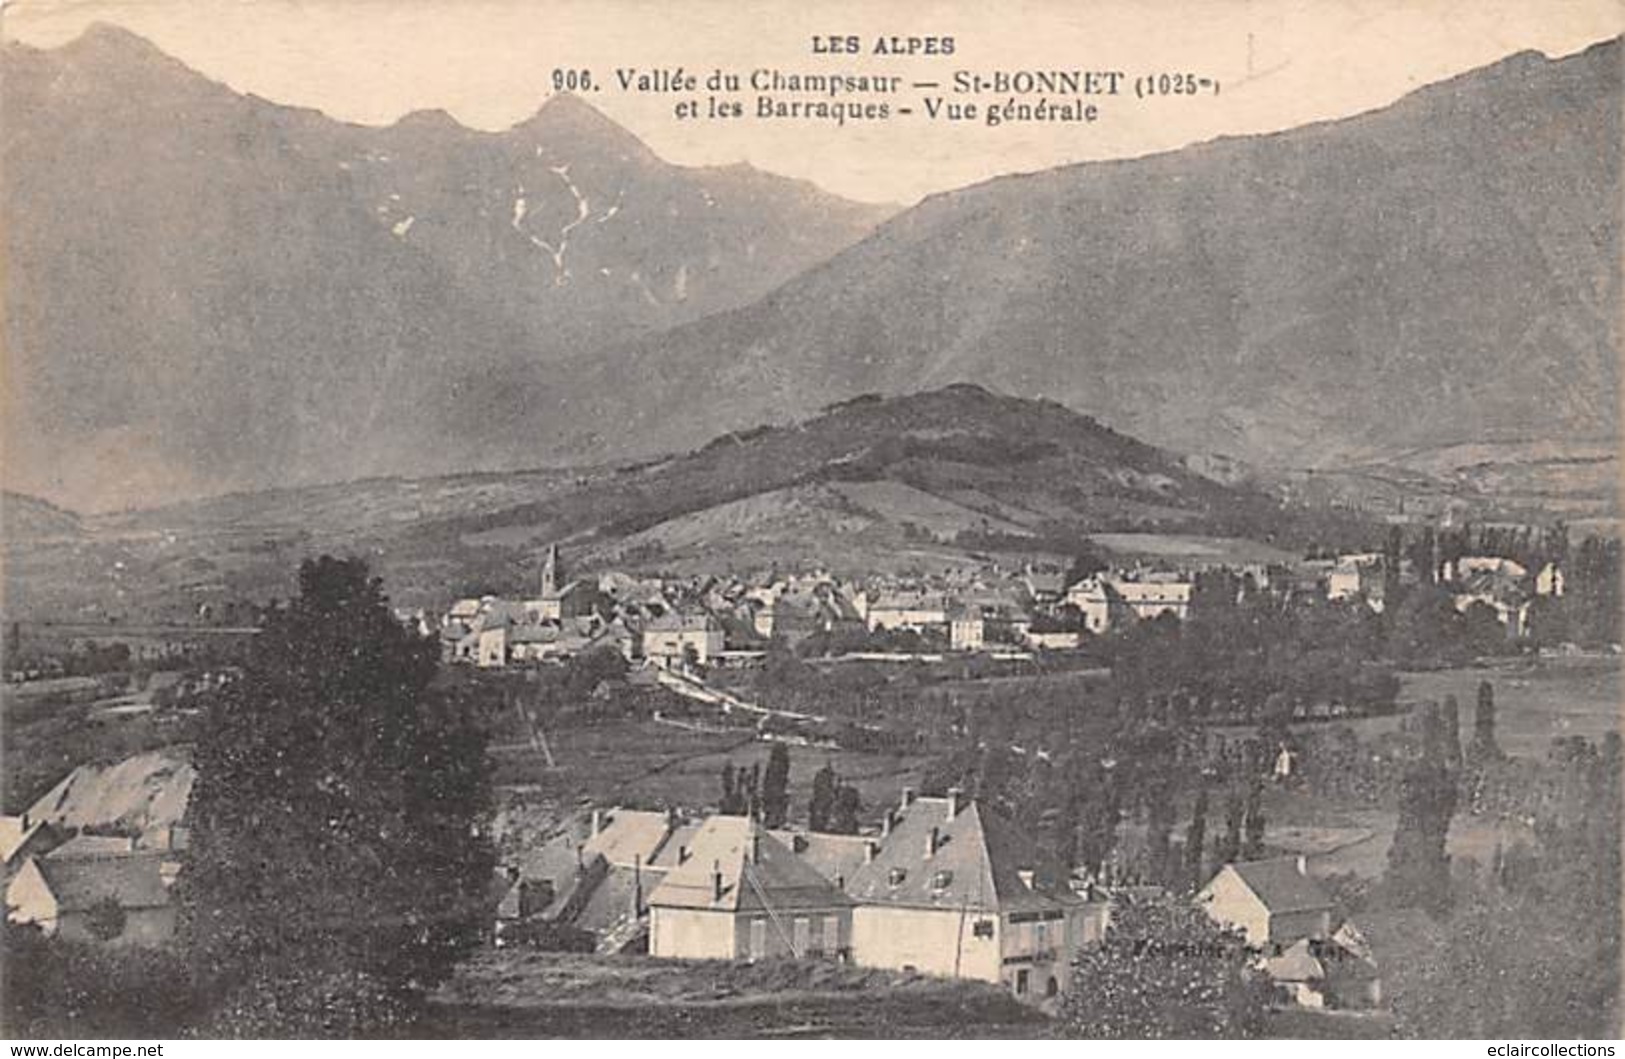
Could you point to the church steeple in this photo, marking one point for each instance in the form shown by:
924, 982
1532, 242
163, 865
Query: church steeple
550, 573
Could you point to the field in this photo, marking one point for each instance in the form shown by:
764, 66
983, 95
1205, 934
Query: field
1193, 549
528, 994
644, 763
51, 727
1355, 841
1535, 702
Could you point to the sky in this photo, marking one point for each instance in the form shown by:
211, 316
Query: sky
491, 63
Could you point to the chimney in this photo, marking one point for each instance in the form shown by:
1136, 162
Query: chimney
870, 848
908, 797
682, 855
885, 824
716, 881
931, 841
637, 884
26, 822
953, 802
1303, 865
580, 862
597, 820
755, 845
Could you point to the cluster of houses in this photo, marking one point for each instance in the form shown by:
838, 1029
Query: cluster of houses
94, 858
1503, 585
1313, 957
712, 621
724, 620
944, 886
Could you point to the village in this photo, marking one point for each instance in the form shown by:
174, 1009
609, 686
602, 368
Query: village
940, 883
941, 886
684, 623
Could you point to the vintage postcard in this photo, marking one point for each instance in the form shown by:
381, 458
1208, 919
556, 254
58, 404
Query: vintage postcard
772, 519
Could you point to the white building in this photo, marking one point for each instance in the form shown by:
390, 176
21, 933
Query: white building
675, 639
917, 611
967, 629
1105, 601
118, 899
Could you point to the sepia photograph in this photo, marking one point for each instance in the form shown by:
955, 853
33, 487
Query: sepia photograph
807, 519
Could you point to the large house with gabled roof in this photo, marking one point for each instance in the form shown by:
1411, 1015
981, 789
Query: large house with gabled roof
956, 889
740, 893
64, 896
1273, 902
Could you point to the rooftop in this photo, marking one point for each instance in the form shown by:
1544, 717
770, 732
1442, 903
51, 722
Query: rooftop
1281, 886
134, 880
752, 869
971, 858
836, 857
13, 834
628, 836
684, 623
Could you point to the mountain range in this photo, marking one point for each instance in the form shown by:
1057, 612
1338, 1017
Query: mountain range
208, 291
1439, 272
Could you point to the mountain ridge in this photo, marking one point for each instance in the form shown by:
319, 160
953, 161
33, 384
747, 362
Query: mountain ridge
1310, 298
1559, 267
938, 479
346, 300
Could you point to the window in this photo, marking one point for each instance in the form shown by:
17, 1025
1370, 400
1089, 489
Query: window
758, 938
801, 932
1021, 983
982, 929
1051, 987
942, 880
897, 876
832, 933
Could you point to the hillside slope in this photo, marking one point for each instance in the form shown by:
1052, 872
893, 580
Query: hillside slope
1441, 271
871, 484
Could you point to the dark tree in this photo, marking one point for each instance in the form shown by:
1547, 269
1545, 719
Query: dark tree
1164, 970
1450, 731
1418, 866
1196, 840
106, 919
1253, 847
1393, 552
1159, 828
339, 860
1229, 844
1085, 564
776, 787
1484, 748
753, 791
1098, 816
728, 804
843, 816
1423, 556
64, 987
822, 802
